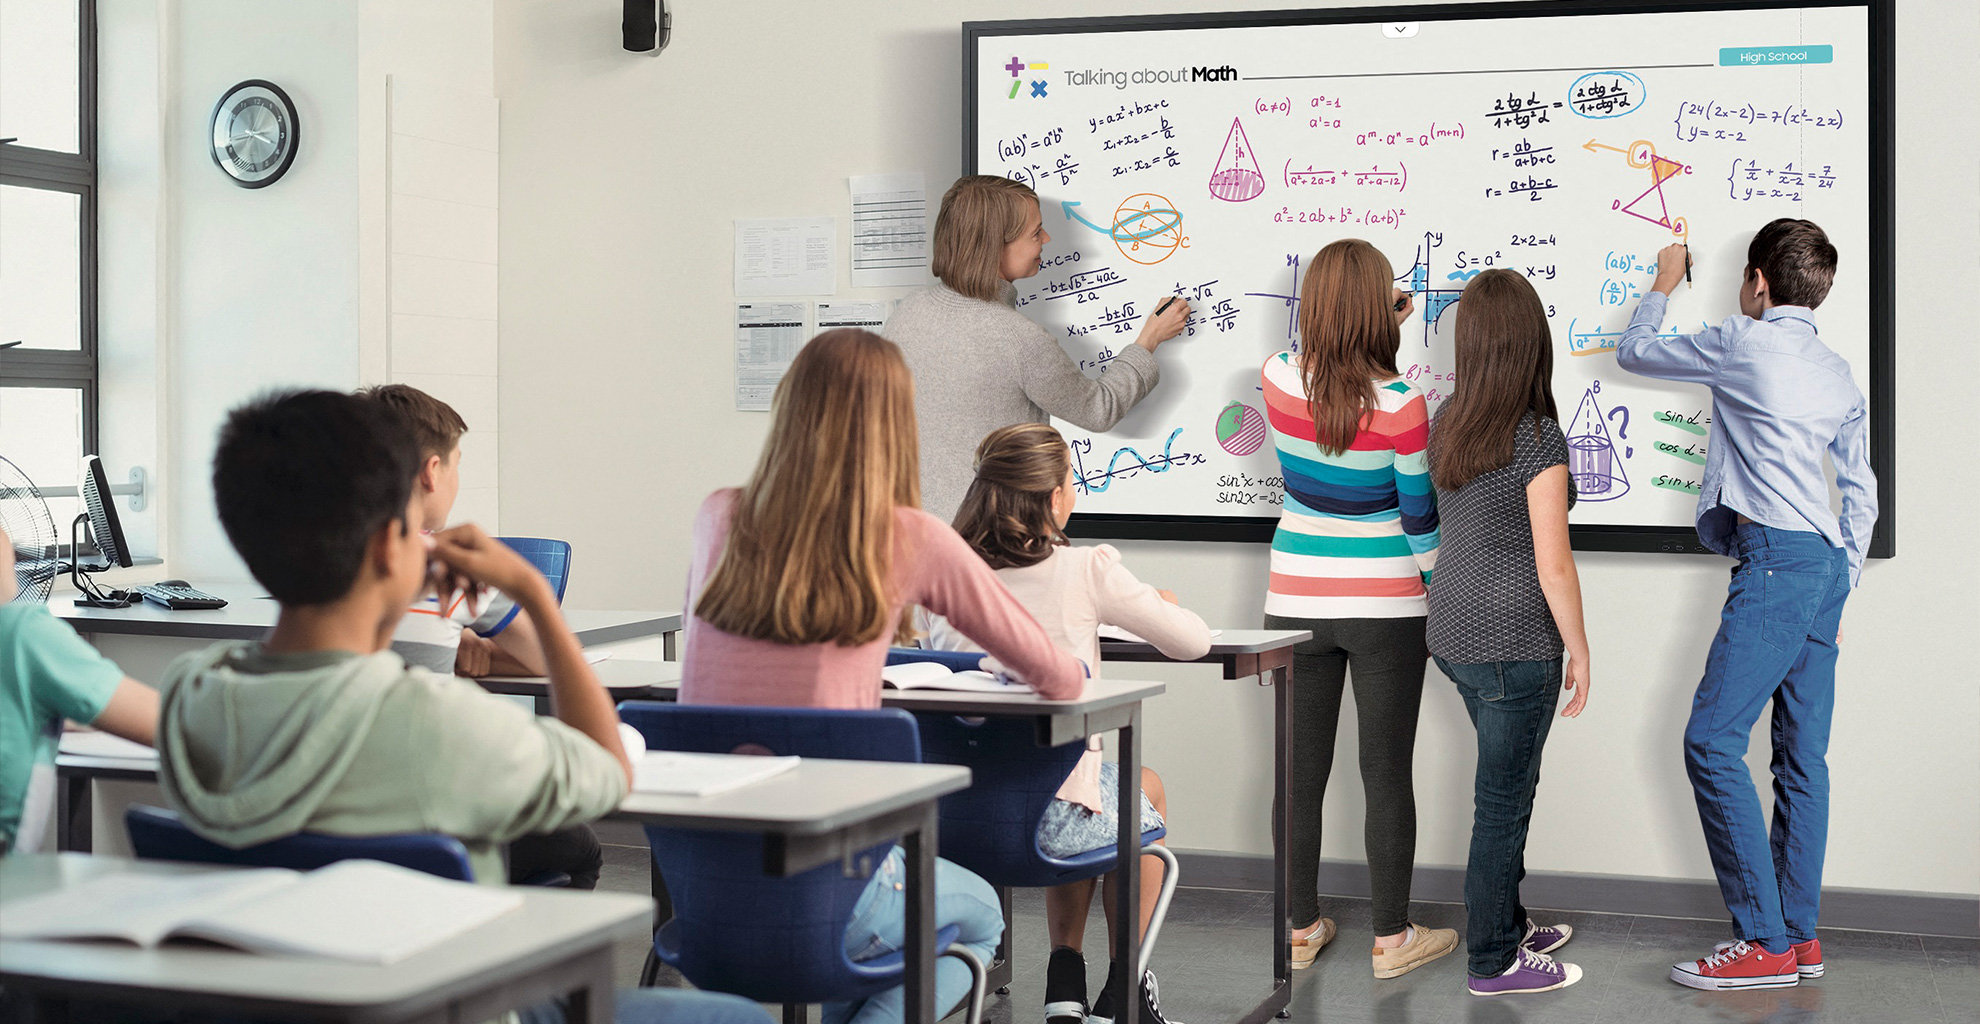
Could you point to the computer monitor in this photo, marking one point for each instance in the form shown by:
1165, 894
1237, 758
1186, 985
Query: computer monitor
103, 523
108, 534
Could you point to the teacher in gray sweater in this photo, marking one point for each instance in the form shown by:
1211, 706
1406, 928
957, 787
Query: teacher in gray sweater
978, 363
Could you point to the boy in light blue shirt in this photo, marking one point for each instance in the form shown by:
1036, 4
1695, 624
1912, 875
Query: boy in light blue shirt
1781, 400
47, 674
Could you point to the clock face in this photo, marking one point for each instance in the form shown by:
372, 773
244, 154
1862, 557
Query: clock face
254, 133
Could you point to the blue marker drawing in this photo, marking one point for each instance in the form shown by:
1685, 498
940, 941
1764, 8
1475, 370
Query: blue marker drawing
1095, 483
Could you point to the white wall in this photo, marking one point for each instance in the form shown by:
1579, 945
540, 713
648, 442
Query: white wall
621, 175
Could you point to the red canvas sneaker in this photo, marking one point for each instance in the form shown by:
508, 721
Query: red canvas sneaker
1739, 966
1807, 956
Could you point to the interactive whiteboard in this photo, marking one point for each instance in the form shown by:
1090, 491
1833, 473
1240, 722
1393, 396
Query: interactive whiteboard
1210, 156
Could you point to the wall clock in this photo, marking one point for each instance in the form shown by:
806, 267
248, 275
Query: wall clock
255, 132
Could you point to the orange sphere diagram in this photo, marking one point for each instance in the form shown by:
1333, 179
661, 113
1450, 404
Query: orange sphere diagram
1148, 229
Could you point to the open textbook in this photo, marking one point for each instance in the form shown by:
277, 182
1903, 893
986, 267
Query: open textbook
356, 910
931, 675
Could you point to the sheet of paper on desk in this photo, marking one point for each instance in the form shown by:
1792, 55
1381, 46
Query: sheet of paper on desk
1117, 633
890, 230
680, 773
768, 336
94, 743
787, 256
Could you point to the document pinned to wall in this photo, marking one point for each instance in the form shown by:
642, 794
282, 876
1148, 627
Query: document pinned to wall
768, 336
787, 256
890, 230
866, 315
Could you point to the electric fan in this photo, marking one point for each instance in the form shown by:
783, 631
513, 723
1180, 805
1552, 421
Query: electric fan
25, 519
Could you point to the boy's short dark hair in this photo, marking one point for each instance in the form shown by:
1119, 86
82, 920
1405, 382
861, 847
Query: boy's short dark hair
1798, 260
435, 425
302, 480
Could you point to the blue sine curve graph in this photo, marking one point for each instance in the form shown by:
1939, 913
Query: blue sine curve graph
1125, 463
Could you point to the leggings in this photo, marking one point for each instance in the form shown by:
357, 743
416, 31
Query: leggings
1387, 657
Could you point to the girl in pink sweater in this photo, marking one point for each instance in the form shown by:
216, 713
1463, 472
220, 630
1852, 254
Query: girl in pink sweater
1014, 515
798, 584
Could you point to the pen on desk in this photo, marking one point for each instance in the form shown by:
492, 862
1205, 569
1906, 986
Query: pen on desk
1165, 304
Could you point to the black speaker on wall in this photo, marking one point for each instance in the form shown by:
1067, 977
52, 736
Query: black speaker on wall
647, 25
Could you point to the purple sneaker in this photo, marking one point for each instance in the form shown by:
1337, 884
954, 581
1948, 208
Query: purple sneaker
1530, 972
1545, 938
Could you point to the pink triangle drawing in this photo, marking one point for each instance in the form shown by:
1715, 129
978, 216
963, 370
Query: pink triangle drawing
1662, 169
1236, 177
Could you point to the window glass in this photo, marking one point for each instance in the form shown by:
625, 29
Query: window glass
39, 45
41, 432
40, 268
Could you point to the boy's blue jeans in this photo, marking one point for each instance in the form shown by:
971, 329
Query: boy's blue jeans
1511, 704
879, 927
1776, 641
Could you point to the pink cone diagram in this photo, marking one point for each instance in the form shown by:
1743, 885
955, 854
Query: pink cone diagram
1240, 429
1236, 178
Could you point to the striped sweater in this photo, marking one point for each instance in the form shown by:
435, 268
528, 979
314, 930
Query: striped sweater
1357, 536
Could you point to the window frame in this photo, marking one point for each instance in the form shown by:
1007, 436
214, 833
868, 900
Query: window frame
73, 173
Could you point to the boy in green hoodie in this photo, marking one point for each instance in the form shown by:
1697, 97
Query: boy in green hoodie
321, 727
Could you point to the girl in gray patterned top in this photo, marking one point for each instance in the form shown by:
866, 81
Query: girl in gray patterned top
1504, 604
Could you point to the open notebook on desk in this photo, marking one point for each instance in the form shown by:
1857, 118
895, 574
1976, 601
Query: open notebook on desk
933, 675
357, 910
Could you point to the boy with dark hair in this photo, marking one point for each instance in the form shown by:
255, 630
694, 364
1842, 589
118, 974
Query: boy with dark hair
1780, 400
321, 727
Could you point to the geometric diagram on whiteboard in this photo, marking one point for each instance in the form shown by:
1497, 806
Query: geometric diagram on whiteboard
1651, 205
1434, 300
1236, 177
1291, 299
1125, 463
1147, 228
1240, 429
1593, 459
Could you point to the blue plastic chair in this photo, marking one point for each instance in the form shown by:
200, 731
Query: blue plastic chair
725, 907
158, 834
991, 828
552, 558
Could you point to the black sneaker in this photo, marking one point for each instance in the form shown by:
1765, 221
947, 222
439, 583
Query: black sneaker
1151, 1002
1065, 987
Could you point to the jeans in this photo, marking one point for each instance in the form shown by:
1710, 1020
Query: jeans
1387, 658
573, 851
879, 927
1776, 642
662, 1006
1511, 704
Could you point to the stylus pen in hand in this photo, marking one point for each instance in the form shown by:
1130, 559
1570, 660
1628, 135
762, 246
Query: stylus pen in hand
1165, 304
1687, 264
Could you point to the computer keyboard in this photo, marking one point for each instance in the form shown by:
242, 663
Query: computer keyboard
177, 596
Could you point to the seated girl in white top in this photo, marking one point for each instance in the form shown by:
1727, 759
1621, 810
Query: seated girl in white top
1014, 515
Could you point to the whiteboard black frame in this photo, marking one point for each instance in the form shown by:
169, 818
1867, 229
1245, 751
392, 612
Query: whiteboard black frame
1882, 264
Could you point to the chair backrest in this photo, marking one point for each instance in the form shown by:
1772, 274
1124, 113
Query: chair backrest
158, 834
552, 558
954, 661
991, 828
735, 929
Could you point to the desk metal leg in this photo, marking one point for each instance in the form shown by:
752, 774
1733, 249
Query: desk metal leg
1127, 878
73, 815
919, 968
998, 976
591, 1001
1281, 820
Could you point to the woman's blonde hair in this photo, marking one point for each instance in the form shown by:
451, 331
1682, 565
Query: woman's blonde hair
811, 537
1007, 513
981, 214
1347, 337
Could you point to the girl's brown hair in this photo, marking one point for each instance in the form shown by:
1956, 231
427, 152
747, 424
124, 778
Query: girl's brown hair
1505, 369
811, 537
981, 214
1007, 513
1347, 337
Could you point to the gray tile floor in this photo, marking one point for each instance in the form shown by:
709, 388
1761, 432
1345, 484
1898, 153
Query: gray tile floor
1213, 963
